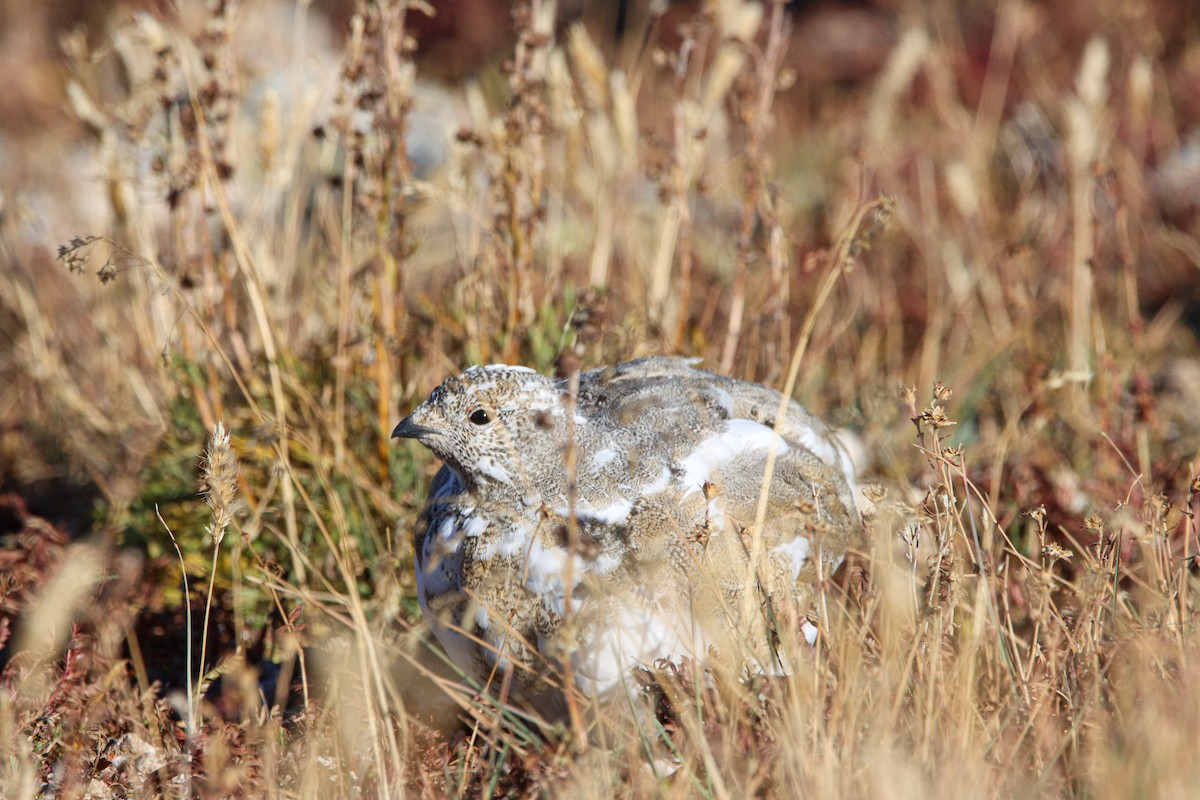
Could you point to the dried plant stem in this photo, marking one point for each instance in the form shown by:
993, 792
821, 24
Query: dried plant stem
193, 701
521, 181
266, 329
767, 70
391, 240
777, 302
982, 144
866, 222
668, 238
212, 580
385, 745
1085, 132
671, 227
341, 363
1082, 249
682, 224
384, 294
572, 466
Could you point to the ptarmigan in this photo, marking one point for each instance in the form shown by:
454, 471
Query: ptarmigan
619, 530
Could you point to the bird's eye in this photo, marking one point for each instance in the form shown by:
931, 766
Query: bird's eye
480, 416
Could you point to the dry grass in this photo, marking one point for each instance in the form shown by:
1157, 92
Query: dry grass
297, 235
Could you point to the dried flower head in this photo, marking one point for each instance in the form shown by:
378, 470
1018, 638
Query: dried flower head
75, 254
938, 500
1161, 505
934, 417
1054, 552
953, 454
875, 492
875, 221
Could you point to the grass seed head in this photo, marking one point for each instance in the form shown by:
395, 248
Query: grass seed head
220, 485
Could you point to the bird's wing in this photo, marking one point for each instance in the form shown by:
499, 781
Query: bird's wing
663, 393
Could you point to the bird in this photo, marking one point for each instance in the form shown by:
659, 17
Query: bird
581, 529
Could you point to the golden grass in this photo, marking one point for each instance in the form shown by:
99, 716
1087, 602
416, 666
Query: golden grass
280, 277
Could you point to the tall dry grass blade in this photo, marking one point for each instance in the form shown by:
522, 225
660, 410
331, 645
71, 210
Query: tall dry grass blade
193, 702
1086, 140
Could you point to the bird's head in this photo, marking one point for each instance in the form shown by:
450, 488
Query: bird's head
491, 425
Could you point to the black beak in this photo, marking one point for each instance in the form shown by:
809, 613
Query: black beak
407, 429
